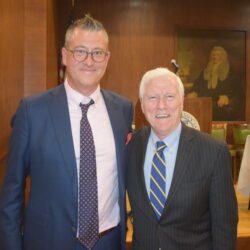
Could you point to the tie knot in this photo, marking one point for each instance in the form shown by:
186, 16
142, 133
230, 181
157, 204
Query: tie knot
85, 107
160, 145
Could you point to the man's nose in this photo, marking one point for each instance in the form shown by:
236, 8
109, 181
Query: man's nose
89, 61
162, 103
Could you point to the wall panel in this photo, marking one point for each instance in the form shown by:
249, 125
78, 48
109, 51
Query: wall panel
143, 33
52, 44
11, 65
35, 46
28, 48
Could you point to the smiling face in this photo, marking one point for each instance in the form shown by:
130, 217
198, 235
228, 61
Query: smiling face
162, 104
85, 76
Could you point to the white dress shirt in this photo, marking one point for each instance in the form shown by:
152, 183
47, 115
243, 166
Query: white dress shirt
106, 165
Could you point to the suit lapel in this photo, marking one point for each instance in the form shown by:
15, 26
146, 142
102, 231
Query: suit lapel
59, 112
183, 158
141, 148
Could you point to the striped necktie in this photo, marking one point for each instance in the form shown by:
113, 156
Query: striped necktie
158, 180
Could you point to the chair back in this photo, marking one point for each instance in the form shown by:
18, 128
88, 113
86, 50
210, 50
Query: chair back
240, 133
219, 131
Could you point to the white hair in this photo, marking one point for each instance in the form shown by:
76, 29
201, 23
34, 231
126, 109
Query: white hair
154, 73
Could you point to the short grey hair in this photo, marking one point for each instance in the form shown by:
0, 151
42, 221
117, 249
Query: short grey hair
86, 23
154, 73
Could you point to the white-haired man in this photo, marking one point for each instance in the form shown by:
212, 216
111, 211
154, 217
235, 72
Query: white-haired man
179, 179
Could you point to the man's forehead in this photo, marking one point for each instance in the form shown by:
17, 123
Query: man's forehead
81, 36
164, 81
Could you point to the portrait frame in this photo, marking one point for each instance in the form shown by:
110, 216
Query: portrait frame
195, 50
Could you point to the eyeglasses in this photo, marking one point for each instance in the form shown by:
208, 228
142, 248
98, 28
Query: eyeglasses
81, 55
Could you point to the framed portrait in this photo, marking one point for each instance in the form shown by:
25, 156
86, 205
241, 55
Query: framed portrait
212, 63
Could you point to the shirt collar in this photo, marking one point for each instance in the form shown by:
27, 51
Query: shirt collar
75, 98
169, 140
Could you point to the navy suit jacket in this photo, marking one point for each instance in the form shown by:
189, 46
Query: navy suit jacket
41, 146
200, 211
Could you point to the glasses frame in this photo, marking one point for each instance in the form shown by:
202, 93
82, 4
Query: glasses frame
91, 53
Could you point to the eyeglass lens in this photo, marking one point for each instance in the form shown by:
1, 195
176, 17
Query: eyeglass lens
97, 55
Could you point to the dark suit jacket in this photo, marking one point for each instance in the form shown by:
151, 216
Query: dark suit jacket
42, 146
201, 209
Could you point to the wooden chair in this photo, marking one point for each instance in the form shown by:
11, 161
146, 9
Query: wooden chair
240, 133
219, 131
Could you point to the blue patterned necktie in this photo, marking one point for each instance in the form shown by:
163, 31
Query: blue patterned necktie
88, 200
158, 180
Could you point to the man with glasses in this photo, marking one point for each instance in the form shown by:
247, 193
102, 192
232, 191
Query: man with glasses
71, 141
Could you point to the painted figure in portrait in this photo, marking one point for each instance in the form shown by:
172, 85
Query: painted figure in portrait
218, 79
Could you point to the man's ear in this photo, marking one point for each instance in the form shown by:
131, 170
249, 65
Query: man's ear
142, 108
64, 56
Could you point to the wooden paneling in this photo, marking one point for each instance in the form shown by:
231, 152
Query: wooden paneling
28, 61
201, 109
11, 65
35, 46
52, 44
143, 33
40, 46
